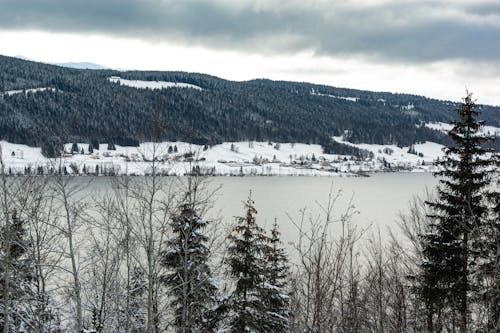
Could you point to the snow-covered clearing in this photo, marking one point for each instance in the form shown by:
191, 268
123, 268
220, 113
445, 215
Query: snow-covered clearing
425, 154
350, 99
408, 107
152, 84
444, 127
27, 91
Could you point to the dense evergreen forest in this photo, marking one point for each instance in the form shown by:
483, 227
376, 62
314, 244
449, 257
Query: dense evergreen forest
83, 105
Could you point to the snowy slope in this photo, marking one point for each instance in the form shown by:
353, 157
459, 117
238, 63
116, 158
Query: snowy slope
230, 158
34, 90
400, 157
151, 84
350, 99
444, 127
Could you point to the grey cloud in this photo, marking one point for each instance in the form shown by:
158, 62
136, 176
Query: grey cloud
409, 32
485, 9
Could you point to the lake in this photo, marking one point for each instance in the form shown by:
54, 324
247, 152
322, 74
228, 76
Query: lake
378, 199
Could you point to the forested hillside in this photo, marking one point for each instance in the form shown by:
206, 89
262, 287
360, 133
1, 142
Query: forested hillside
83, 105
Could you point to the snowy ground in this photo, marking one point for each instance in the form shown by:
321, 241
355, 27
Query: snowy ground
444, 127
151, 84
27, 91
350, 99
230, 158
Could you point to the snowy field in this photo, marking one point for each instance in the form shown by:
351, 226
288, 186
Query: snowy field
227, 159
350, 99
151, 84
444, 127
27, 91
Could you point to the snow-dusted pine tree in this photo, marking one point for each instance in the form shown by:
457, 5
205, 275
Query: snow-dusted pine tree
190, 280
246, 259
275, 295
15, 282
451, 248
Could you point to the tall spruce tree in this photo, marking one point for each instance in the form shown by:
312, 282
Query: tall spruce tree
451, 249
20, 298
275, 295
190, 281
246, 258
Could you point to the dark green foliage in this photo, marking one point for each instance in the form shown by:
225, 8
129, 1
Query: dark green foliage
111, 146
189, 281
95, 144
96, 324
452, 248
14, 253
275, 295
74, 148
52, 147
246, 259
86, 105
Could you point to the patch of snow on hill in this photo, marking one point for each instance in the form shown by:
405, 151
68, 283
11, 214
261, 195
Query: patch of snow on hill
26, 91
425, 154
408, 107
18, 155
439, 126
350, 99
444, 127
151, 84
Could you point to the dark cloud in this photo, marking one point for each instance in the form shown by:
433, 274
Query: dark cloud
484, 9
398, 31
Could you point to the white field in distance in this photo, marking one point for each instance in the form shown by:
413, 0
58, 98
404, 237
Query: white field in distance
444, 127
152, 84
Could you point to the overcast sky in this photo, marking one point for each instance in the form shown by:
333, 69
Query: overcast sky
433, 48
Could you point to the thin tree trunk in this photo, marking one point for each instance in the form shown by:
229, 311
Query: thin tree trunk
465, 286
74, 265
6, 248
6, 287
150, 325
150, 251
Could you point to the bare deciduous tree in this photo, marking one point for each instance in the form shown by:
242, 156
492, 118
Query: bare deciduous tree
319, 278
